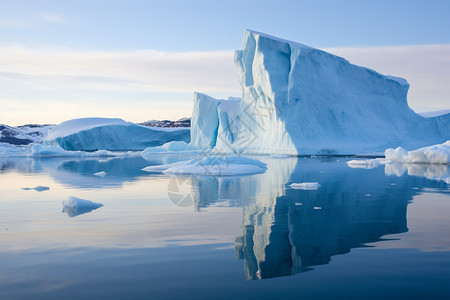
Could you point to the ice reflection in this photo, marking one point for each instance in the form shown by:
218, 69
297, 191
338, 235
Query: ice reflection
79, 172
286, 231
440, 172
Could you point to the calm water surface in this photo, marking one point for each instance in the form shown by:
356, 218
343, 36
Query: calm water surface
364, 234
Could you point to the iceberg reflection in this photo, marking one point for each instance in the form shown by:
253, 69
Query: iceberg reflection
439, 172
286, 231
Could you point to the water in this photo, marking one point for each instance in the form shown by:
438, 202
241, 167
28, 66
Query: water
364, 234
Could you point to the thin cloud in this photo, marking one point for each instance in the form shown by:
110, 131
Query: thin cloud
111, 83
29, 19
52, 17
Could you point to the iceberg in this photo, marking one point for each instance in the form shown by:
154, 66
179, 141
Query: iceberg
298, 100
90, 134
435, 154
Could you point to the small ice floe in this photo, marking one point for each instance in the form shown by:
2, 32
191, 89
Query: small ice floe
368, 195
39, 188
436, 154
74, 206
366, 163
213, 166
279, 156
100, 174
311, 186
317, 207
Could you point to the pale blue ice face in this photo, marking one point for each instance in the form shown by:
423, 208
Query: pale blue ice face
362, 233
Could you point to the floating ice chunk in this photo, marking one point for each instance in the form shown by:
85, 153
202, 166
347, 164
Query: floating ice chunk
436, 154
305, 186
214, 166
39, 188
100, 174
74, 206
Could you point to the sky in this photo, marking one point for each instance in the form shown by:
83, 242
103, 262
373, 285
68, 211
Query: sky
142, 60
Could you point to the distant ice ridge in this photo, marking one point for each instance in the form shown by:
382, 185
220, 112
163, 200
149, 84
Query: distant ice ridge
90, 134
213, 166
303, 101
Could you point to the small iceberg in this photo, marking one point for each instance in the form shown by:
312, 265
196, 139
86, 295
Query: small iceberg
435, 154
74, 206
308, 186
214, 165
367, 163
39, 188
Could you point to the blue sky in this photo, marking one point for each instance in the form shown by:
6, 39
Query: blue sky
142, 60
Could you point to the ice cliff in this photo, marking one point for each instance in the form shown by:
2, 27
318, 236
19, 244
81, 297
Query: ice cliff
89, 134
300, 100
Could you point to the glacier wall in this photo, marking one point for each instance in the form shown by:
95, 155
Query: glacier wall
300, 100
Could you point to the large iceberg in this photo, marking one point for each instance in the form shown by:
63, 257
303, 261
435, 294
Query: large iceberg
90, 134
300, 100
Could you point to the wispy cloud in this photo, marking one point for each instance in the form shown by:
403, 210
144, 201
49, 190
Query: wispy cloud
112, 83
29, 19
143, 71
52, 17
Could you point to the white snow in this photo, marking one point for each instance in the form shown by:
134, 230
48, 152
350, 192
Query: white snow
90, 134
100, 174
76, 125
311, 186
74, 206
436, 154
214, 166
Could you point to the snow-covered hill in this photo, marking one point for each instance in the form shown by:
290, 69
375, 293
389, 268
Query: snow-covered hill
23, 135
183, 122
